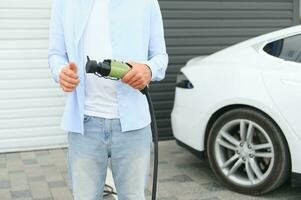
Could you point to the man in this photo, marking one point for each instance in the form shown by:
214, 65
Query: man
105, 118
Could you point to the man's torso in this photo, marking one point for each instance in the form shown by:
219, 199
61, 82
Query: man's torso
100, 93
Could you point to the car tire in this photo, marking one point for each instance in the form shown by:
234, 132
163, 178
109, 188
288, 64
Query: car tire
271, 171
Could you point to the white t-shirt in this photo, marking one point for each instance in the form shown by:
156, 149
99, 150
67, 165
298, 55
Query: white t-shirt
100, 93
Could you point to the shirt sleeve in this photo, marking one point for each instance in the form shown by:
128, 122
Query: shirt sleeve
157, 56
57, 55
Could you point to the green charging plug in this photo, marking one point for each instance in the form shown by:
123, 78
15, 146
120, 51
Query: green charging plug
109, 68
119, 69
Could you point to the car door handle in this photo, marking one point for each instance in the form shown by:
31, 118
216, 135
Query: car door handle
291, 82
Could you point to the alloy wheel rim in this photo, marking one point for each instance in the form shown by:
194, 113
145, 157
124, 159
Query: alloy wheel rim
244, 152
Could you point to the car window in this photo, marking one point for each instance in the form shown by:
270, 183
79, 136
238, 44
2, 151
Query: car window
287, 48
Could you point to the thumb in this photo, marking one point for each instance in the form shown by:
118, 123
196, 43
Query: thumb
73, 67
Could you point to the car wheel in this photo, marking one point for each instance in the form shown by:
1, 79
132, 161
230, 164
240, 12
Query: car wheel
248, 152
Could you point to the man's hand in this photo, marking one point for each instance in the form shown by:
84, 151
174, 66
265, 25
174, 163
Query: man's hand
139, 76
69, 78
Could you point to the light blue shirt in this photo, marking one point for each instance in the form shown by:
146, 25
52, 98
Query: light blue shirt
137, 34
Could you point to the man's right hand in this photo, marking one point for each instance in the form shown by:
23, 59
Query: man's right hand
68, 77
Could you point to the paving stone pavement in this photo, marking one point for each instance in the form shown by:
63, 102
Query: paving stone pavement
42, 175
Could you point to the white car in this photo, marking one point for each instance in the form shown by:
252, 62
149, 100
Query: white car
241, 107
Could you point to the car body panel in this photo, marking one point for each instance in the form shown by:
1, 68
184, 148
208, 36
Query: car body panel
223, 79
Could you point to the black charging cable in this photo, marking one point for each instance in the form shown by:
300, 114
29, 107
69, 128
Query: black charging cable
155, 141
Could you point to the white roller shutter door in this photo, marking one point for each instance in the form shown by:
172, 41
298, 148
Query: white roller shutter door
31, 103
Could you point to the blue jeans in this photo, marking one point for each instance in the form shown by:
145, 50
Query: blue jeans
88, 157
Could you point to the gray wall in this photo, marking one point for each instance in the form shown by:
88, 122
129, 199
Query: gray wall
202, 27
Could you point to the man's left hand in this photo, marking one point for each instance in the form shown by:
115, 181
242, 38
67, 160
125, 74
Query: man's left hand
139, 76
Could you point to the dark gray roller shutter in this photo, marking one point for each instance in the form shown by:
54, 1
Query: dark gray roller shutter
202, 27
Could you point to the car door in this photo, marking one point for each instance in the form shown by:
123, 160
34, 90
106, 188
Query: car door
283, 78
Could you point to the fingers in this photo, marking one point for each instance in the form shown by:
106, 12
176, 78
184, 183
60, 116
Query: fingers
67, 87
69, 78
73, 67
69, 73
138, 77
68, 84
138, 85
136, 80
129, 76
133, 79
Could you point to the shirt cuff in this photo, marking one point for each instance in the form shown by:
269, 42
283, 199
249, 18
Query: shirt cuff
150, 65
59, 72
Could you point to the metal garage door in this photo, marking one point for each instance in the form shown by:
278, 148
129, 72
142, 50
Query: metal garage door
30, 101
201, 27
